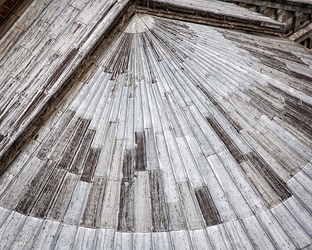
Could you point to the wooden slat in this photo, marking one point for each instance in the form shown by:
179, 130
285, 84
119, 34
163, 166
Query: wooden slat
142, 203
110, 204
77, 204
158, 207
34, 188
46, 234
63, 198
207, 207
126, 208
42, 206
14, 222
66, 237
26, 236
190, 206
10, 198
90, 164
92, 211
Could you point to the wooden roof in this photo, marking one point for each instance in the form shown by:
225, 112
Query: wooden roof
162, 133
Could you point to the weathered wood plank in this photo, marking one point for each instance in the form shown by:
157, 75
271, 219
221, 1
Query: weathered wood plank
42, 206
126, 208
63, 198
142, 241
35, 187
10, 198
200, 240
90, 164
190, 206
105, 238
63, 22
26, 236
257, 234
85, 238
140, 152
55, 136
158, 206
92, 211
291, 226
161, 241
110, 205
207, 206
219, 238
114, 168
176, 216
66, 237
73, 144
238, 235
14, 222
77, 204
181, 240
277, 233
142, 203
77, 164
46, 235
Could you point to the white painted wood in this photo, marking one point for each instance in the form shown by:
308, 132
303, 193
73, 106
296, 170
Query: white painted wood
142, 241
232, 192
192, 171
217, 193
11, 198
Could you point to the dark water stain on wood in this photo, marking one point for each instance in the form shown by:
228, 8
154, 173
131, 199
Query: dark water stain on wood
23, 118
263, 105
118, 61
35, 187
77, 163
269, 175
207, 206
220, 108
58, 210
127, 166
60, 69
94, 204
158, 205
126, 208
41, 208
140, 152
55, 134
90, 164
73, 144
238, 156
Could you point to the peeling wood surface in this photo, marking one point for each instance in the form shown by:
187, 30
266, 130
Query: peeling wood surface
174, 142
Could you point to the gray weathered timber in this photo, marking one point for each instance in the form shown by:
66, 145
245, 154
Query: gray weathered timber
173, 141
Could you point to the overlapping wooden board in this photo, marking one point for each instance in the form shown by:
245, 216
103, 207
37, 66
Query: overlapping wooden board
176, 138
